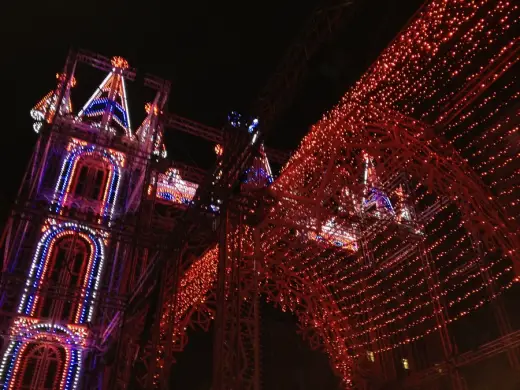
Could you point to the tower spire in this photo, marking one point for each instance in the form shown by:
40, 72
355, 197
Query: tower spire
260, 174
45, 109
107, 108
151, 138
370, 178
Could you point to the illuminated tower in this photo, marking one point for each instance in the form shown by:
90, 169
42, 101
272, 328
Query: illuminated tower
44, 111
65, 252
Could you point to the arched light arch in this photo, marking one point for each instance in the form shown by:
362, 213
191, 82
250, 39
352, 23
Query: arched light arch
27, 331
53, 232
78, 150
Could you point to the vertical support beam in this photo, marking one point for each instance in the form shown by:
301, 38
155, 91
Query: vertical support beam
384, 359
220, 319
153, 360
171, 321
237, 335
256, 302
497, 305
441, 316
107, 115
5, 241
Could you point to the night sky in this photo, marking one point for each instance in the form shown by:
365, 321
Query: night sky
218, 56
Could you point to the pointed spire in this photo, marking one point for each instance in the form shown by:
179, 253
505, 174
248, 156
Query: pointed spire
370, 178
374, 195
403, 212
45, 109
260, 174
145, 132
108, 107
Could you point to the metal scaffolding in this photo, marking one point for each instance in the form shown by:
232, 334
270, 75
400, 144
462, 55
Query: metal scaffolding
390, 224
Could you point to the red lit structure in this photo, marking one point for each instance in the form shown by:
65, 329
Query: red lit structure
395, 221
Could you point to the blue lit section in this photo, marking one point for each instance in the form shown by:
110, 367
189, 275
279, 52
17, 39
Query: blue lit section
14, 349
254, 124
98, 107
379, 198
165, 196
113, 189
257, 175
235, 119
172, 188
110, 99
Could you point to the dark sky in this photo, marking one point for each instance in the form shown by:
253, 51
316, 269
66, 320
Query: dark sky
218, 55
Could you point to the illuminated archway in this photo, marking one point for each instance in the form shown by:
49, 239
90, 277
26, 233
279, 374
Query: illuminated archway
42, 356
307, 299
53, 233
78, 151
41, 366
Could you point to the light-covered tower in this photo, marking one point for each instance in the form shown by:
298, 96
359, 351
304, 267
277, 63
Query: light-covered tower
68, 250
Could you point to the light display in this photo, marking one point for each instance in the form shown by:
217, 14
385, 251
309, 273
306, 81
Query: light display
403, 211
394, 219
172, 188
335, 235
378, 199
147, 136
109, 103
444, 68
45, 109
77, 151
28, 333
252, 127
53, 232
259, 175
235, 119
56, 328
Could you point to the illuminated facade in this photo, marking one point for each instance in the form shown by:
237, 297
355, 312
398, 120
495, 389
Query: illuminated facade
389, 230
87, 169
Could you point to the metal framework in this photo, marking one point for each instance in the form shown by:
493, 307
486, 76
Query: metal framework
281, 88
407, 153
175, 122
395, 220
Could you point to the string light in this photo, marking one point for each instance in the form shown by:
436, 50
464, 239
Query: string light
45, 109
110, 100
388, 302
27, 330
366, 261
77, 151
172, 188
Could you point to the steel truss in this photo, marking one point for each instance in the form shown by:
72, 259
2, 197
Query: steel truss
297, 207
288, 222
270, 242
129, 247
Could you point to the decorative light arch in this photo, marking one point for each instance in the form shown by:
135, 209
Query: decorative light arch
53, 232
78, 150
307, 299
27, 331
